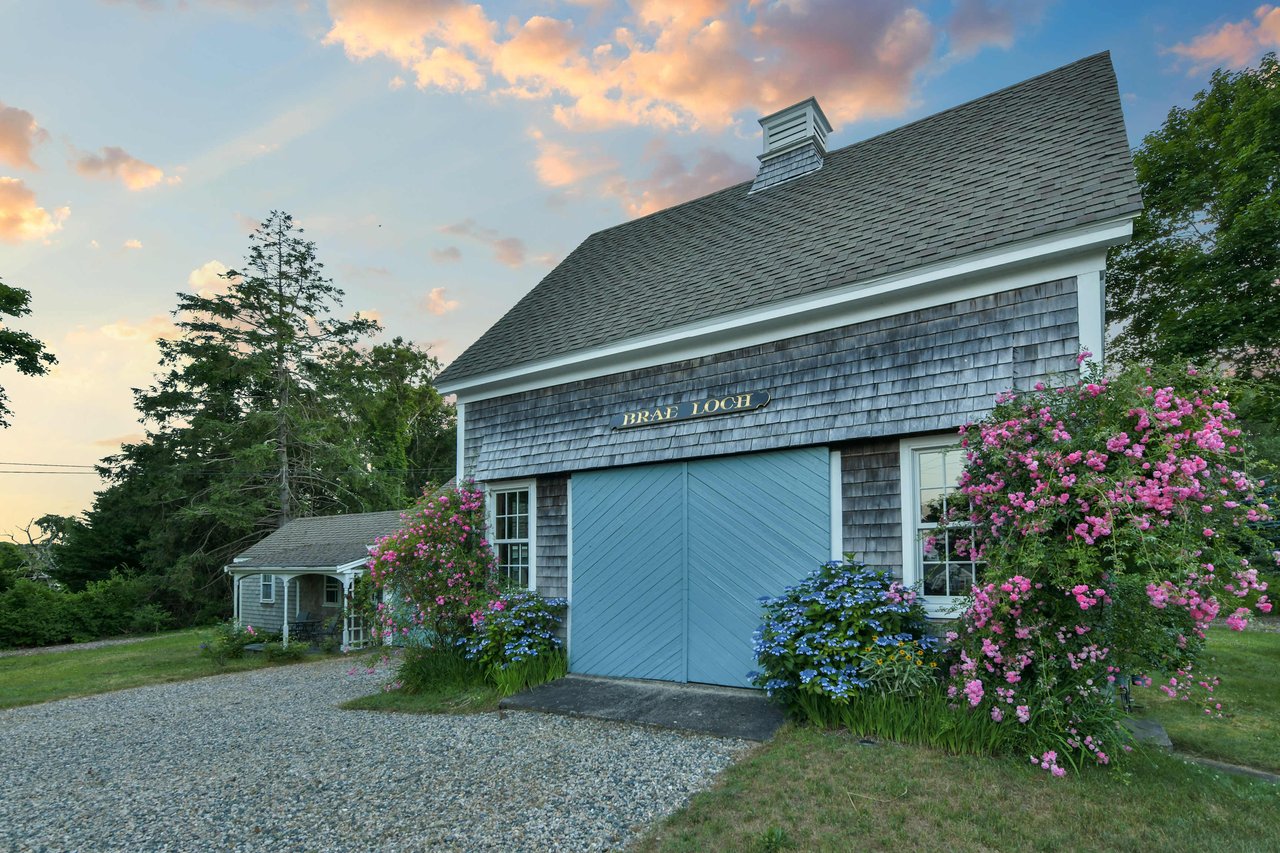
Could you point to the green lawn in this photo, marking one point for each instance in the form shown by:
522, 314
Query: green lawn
174, 656
1249, 664
808, 790
811, 790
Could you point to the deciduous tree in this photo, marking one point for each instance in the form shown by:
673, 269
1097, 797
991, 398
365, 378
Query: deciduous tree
1200, 280
20, 349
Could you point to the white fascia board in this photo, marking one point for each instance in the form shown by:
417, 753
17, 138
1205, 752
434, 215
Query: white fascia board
1063, 255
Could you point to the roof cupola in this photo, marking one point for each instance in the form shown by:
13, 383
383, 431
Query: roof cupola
795, 143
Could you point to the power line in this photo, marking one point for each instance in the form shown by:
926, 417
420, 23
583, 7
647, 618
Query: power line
93, 473
46, 465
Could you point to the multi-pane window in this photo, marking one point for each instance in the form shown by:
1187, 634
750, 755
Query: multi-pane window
332, 591
512, 535
268, 589
935, 475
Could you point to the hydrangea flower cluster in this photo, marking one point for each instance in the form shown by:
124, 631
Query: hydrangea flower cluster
437, 569
844, 629
514, 628
1114, 517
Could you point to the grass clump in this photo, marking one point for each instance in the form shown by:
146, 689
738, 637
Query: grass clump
433, 681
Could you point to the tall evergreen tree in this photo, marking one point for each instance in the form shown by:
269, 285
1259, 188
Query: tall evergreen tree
253, 362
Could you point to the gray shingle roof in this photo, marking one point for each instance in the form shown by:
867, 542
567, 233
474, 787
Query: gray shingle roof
323, 542
1029, 160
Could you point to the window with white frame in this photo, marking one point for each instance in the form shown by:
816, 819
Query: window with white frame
931, 469
332, 592
513, 532
268, 595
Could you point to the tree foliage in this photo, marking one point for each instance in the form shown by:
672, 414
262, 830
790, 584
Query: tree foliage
20, 349
1200, 280
268, 406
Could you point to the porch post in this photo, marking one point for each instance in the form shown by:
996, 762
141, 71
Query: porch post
235, 602
346, 611
285, 631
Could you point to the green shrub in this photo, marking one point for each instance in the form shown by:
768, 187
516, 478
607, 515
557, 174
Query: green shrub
34, 614
277, 652
516, 640
230, 639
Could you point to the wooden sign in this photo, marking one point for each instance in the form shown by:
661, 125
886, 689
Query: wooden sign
723, 405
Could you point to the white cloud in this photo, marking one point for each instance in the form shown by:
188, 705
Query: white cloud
437, 303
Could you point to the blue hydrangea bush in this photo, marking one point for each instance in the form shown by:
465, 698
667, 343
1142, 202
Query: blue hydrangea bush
845, 630
516, 640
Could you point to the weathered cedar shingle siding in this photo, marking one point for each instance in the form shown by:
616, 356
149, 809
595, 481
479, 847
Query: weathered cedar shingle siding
922, 371
553, 537
870, 501
265, 617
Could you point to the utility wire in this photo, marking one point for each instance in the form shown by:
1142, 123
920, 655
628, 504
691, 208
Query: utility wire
46, 465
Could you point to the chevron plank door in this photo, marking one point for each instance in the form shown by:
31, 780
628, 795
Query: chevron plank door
757, 524
669, 561
628, 573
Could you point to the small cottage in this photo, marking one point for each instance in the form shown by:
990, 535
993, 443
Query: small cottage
697, 407
298, 580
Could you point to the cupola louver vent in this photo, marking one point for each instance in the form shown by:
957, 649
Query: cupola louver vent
795, 143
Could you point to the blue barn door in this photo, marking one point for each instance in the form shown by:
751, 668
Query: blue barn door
669, 560
628, 582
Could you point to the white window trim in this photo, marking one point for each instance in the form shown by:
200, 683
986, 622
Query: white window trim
530, 485
324, 600
262, 588
942, 607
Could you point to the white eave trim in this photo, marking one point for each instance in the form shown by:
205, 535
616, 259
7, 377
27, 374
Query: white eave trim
1066, 253
293, 571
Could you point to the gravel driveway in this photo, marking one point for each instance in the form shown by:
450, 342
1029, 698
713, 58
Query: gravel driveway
264, 760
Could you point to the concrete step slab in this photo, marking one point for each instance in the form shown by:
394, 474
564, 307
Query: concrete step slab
705, 709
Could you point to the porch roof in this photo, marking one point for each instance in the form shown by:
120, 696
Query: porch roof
316, 544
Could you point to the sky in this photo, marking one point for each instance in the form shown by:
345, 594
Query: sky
443, 154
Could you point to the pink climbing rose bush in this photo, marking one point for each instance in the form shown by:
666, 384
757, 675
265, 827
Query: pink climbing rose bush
437, 570
1114, 517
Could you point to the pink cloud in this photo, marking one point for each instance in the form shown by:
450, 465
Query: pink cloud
671, 180
437, 303
559, 165
117, 441
673, 64
507, 250
19, 133
151, 329
115, 162
975, 24
441, 41
21, 218
1236, 43
447, 255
